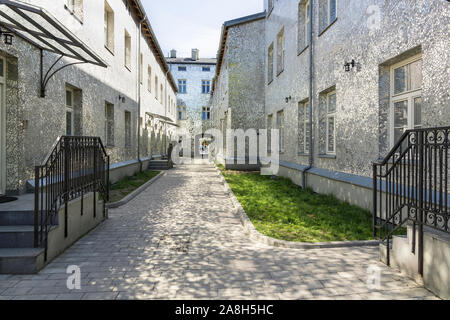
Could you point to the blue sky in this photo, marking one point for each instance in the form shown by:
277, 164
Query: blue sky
187, 24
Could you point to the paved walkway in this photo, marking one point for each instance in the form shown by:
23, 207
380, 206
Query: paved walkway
180, 240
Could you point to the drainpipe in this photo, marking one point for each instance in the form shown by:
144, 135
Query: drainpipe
139, 93
311, 68
165, 112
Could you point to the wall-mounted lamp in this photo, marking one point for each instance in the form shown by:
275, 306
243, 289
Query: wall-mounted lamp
348, 66
8, 37
288, 99
122, 98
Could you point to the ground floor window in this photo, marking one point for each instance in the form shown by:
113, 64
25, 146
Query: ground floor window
280, 127
127, 128
269, 132
69, 112
109, 124
304, 127
331, 123
406, 98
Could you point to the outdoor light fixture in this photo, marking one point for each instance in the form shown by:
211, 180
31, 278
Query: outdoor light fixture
348, 66
8, 37
288, 99
122, 98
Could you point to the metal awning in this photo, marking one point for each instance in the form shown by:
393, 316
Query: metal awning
162, 118
38, 27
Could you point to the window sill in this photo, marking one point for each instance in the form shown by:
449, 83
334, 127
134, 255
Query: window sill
128, 68
302, 154
270, 12
278, 74
328, 27
109, 50
109, 146
303, 50
270, 82
327, 156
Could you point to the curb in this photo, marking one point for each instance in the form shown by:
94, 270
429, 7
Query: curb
135, 193
255, 235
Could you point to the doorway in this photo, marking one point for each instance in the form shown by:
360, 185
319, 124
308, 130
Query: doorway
2, 127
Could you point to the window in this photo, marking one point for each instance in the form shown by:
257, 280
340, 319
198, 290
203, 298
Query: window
127, 50
76, 8
304, 127
270, 64
182, 69
149, 75
69, 112
109, 124
182, 113
156, 87
303, 24
280, 127
280, 52
327, 13
162, 94
406, 98
141, 68
109, 27
206, 86
182, 86
206, 114
127, 129
206, 69
269, 132
331, 123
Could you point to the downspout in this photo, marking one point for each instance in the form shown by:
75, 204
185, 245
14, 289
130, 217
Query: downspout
165, 112
139, 75
311, 69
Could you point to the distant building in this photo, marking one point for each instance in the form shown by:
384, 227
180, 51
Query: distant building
194, 77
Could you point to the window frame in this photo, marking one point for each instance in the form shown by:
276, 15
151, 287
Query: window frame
128, 129
149, 80
127, 60
70, 109
281, 51
306, 123
206, 111
270, 64
281, 130
409, 95
182, 86
109, 139
71, 6
330, 115
206, 86
109, 27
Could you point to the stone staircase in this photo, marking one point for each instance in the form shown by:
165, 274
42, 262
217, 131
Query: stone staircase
17, 252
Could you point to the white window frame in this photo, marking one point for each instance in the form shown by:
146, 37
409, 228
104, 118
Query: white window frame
408, 95
331, 115
127, 50
280, 127
109, 28
305, 121
70, 109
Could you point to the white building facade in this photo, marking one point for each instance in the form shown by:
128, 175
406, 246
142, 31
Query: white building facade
130, 103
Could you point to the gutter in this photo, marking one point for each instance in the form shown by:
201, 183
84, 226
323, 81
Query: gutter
311, 75
139, 75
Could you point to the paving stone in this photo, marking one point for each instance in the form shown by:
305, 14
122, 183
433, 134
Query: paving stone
180, 239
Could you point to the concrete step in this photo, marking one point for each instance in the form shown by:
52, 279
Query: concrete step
17, 236
15, 218
21, 260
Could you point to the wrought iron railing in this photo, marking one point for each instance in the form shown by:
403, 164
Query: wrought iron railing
75, 166
411, 185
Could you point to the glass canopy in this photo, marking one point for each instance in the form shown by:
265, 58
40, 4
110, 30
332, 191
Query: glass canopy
41, 29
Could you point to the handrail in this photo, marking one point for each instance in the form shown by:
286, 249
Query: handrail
74, 167
412, 185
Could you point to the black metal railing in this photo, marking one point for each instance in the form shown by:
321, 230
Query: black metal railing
411, 185
75, 166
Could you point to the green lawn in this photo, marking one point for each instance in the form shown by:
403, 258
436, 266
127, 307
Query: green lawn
280, 209
127, 185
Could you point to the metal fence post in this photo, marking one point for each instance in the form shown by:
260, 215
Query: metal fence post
421, 146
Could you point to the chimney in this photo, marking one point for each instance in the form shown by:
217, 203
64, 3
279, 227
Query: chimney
173, 53
195, 54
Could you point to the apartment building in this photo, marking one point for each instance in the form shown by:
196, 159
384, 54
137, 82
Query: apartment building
111, 81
